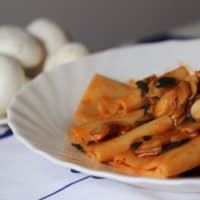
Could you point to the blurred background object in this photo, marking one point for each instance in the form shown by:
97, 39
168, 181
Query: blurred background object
103, 23
42, 35
26, 51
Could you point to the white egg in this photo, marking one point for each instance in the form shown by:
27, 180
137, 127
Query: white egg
11, 79
66, 54
49, 33
23, 46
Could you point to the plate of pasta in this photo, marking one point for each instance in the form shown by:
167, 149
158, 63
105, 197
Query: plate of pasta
130, 114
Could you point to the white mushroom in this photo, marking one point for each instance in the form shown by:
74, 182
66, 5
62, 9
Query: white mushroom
20, 44
67, 53
48, 32
11, 79
195, 110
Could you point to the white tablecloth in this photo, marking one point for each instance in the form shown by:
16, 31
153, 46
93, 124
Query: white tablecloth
25, 175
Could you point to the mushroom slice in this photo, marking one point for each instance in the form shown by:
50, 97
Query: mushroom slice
49, 33
183, 92
21, 45
195, 110
193, 81
167, 103
183, 96
174, 102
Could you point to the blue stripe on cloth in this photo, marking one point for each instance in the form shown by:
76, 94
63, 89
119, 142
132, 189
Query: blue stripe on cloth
77, 172
66, 186
6, 134
70, 184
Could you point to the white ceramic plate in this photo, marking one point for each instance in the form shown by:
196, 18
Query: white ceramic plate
42, 111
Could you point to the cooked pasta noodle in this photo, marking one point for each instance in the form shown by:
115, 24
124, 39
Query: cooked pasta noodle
149, 127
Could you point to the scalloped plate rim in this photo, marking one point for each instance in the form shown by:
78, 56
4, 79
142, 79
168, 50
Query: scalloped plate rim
3, 121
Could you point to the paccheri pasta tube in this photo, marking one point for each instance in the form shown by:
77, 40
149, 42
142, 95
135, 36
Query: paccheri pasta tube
100, 94
91, 132
149, 127
107, 150
168, 164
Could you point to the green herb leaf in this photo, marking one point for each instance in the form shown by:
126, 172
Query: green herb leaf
165, 82
78, 146
91, 142
146, 106
135, 145
172, 145
143, 86
146, 137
